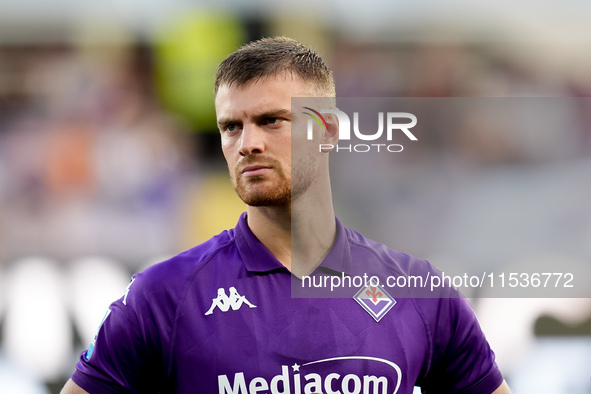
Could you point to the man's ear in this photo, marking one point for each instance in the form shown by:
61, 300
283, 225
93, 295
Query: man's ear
330, 138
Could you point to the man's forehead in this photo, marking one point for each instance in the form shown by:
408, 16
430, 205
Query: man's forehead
257, 97
259, 106
284, 80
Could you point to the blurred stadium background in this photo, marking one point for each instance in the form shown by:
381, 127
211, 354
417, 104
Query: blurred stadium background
110, 161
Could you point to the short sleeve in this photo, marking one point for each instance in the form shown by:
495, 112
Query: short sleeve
462, 360
126, 355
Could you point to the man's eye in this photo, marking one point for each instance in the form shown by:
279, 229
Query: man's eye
271, 120
231, 127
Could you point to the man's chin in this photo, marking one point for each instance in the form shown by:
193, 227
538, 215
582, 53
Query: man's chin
261, 194
267, 201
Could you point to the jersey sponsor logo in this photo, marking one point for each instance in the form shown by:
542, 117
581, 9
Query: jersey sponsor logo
319, 376
375, 300
126, 292
93, 343
225, 302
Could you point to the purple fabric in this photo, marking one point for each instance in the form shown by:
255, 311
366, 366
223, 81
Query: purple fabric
171, 336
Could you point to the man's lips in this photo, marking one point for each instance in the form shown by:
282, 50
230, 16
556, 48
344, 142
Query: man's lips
256, 170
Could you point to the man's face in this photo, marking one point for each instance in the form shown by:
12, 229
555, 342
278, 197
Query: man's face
255, 126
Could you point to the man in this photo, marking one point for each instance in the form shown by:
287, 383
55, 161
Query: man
219, 318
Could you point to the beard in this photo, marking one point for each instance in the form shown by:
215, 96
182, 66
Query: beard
256, 194
275, 189
261, 191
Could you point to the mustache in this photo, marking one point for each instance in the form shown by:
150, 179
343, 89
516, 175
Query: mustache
249, 161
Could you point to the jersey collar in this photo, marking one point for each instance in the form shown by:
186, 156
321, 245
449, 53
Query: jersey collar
257, 258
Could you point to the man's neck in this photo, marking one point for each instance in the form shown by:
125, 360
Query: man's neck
272, 226
298, 235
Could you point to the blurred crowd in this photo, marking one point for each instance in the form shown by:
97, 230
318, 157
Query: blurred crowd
89, 161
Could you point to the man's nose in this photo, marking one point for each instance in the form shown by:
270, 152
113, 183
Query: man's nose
253, 140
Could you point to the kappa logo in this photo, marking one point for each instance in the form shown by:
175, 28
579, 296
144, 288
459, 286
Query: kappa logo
375, 300
225, 302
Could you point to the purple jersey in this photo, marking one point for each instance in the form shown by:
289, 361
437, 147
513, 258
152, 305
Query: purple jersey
220, 318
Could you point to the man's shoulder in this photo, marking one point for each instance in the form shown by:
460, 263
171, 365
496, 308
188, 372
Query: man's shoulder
392, 259
171, 275
403, 274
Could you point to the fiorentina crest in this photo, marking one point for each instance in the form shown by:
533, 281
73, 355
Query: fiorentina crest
375, 300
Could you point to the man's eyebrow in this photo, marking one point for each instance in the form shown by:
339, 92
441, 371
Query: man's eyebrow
223, 122
273, 113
